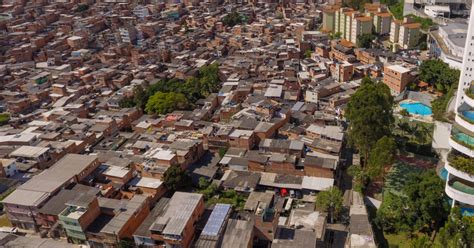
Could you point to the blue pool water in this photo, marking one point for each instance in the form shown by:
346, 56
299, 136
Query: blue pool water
443, 174
467, 212
465, 138
464, 211
469, 115
416, 108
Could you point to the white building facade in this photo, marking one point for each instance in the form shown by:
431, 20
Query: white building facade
460, 162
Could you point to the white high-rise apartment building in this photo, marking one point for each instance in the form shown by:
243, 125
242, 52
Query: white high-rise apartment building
460, 163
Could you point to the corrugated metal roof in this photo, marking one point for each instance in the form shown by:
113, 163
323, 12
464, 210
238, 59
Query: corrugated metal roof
181, 207
216, 220
317, 183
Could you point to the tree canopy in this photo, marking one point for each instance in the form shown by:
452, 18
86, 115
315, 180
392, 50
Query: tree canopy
365, 40
233, 19
395, 6
82, 8
193, 89
421, 205
163, 103
370, 115
4, 118
381, 155
458, 231
176, 178
335, 36
438, 74
209, 79
440, 104
356, 4
330, 201
445, 79
426, 200
425, 22
391, 215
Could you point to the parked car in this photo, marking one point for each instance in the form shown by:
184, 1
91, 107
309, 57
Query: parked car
283, 192
298, 194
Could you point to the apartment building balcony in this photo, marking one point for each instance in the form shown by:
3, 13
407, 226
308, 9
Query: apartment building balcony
460, 166
72, 226
465, 119
76, 234
462, 140
460, 190
469, 96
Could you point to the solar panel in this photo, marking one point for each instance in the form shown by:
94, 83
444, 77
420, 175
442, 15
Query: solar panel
216, 220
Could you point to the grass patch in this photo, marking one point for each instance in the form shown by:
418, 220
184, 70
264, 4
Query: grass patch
400, 240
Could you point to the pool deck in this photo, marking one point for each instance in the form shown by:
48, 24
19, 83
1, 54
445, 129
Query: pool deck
441, 134
422, 118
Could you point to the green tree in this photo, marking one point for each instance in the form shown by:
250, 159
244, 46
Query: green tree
222, 151
421, 206
203, 183
229, 197
210, 191
209, 79
330, 201
426, 200
426, 22
166, 95
176, 178
391, 216
308, 53
359, 176
421, 241
163, 103
192, 89
140, 96
440, 104
127, 102
458, 231
126, 243
365, 40
356, 4
438, 74
396, 7
82, 7
4, 118
381, 155
404, 112
233, 19
370, 115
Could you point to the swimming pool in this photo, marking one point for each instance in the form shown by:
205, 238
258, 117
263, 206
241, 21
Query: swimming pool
464, 138
443, 174
416, 108
469, 114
